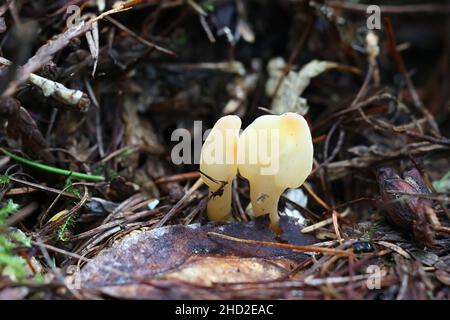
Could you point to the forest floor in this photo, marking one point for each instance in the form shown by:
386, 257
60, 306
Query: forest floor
92, 204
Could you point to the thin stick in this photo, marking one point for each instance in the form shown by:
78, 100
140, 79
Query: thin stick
61, 251
316, 197
71, 97
323, 223
336, 226
39, 187
292, 57
401, 66
175, 208
178, 177
284, 245
139, 38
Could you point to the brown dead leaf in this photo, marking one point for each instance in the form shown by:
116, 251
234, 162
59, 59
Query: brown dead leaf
210, 270
21, 126
139, 131
406, 212
182, 257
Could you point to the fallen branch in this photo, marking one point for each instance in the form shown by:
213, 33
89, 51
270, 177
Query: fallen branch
70, 97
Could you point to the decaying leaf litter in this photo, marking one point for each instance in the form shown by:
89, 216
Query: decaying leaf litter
93, 207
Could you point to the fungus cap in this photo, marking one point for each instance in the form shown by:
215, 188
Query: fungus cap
275, 153
218, 163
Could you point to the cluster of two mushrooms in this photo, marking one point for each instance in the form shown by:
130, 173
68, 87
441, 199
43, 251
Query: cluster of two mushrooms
273, 153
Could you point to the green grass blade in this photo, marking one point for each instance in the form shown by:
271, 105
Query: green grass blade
51, 169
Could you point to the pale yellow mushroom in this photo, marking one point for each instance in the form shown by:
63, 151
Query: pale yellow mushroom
275, 153
218, 164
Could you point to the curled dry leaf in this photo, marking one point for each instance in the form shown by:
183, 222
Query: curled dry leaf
405, 211
20, 125
288, 98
